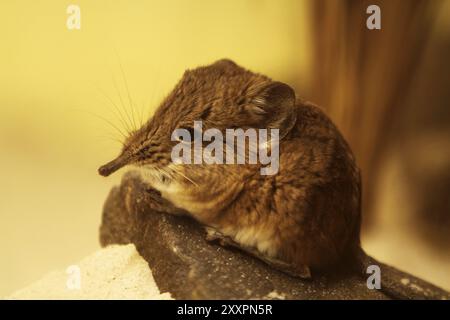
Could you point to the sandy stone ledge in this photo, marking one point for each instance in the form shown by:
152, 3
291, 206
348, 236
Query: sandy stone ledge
114, 272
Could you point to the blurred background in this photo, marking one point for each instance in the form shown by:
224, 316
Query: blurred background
387, 90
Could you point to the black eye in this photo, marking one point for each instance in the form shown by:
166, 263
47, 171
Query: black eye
206, 112
144, 151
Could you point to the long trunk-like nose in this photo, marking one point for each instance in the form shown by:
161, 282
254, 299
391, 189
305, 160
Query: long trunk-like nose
114, 165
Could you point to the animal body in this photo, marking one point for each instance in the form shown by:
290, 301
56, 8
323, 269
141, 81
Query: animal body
304, 218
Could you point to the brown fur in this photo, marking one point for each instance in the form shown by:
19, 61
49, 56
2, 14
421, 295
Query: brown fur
307, 214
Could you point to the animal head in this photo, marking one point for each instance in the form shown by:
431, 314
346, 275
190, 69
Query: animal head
223, 96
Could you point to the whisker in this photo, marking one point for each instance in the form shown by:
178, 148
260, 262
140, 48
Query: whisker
122, 103
109, 122
128, 91
113, 139
142, 121
117, 109
184, 176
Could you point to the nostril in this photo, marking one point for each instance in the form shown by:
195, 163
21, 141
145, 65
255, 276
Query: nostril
113, 165
103, 171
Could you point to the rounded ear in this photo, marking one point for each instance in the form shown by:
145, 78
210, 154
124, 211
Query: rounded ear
226, 66
225, 62
275, 104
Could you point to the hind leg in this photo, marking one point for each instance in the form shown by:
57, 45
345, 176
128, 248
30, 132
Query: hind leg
302, 271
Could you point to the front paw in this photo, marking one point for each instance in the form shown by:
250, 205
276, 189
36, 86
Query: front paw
212, 234
154, 199
215, 235
156, 202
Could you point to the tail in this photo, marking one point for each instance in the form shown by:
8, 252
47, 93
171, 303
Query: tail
400, 285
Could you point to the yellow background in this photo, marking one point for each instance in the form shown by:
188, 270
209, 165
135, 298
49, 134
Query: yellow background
53, 83
55, 87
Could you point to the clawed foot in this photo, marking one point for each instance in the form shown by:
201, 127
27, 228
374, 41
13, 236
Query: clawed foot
302, 271
214, 235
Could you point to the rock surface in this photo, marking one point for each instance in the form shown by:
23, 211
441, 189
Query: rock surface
115, 272
186, 265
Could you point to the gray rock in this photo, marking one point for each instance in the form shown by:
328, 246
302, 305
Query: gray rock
186, 265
